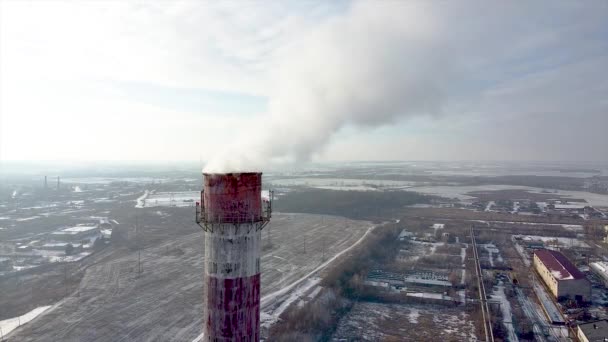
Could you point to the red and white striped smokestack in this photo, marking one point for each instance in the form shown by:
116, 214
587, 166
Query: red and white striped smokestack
232, 214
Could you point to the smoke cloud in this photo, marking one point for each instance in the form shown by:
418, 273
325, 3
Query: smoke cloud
379, 63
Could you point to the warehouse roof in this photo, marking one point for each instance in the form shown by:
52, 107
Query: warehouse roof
596, 331
559, 265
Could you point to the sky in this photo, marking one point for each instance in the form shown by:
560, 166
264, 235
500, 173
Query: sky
297, 81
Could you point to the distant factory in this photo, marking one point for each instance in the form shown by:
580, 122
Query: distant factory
560, 276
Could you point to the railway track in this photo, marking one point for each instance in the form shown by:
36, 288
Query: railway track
483, 298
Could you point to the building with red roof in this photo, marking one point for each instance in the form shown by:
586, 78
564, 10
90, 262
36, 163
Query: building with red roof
561, 276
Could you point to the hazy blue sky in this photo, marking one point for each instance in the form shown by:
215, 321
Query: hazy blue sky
490, 80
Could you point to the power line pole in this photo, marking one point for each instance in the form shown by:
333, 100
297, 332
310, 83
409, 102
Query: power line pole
65, 278
268, 235
138, 245
323, 250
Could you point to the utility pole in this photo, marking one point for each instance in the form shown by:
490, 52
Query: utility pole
65, 278
138, 245
268, 235
323, 250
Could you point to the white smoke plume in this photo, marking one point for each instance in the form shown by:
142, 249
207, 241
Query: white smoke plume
379, 63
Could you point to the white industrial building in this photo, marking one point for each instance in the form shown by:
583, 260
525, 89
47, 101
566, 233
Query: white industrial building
560, 276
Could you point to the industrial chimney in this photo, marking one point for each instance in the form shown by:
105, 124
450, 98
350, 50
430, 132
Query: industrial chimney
232, 213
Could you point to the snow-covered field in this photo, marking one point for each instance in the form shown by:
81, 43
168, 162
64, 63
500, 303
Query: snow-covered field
304, 290
461, 192
399, 322
115, 303
8, 325
284, 293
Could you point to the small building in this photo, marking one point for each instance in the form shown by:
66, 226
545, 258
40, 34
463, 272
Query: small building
529, 242
593, 332
405, 235
76, 233
534, 244
57, 246
438, 226
600, 268
377, 283
562, 278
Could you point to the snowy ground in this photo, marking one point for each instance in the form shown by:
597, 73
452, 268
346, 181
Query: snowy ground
463, 255
570, 227
399, 322
522, 253
141, 200
498, 294
276, 302
164, 302
552, 240
549, 306
493, 253
461, 192
69, 258
543, 331
489, 206
8, 325
306, 290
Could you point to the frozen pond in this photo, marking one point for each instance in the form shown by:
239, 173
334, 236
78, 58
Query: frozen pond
507, 172
461, 192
